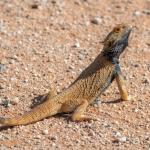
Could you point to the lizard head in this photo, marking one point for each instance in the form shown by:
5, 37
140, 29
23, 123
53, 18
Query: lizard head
116, 41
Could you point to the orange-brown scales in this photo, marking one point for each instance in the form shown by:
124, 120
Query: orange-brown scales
93, 81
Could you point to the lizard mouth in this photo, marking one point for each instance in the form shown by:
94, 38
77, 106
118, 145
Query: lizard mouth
125, 36
128, 32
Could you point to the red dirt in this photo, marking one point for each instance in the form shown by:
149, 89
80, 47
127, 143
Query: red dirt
48, 43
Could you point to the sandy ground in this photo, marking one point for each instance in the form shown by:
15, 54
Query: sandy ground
46, 44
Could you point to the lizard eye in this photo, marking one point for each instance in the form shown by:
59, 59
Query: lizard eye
117, 29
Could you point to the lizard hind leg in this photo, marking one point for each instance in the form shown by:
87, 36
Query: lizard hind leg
79, 113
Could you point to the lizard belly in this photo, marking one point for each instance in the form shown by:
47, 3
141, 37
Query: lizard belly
70, 105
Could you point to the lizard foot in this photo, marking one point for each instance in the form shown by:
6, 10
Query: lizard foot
85, 117
127, 98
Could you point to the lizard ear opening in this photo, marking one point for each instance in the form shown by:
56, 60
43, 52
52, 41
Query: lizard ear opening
105, 41
110, 43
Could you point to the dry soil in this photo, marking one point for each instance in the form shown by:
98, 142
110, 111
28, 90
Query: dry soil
46, 44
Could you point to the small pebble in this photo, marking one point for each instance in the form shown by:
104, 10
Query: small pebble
96, 20
97, 103
71, 67
137, 13
136, 110
53, 144
6, 103
136, 141
2, 68
45, 132
81, 56
119, 138
77, 45
117, 134
53, 138
14, 101
34, 6
146, 11
25, 81
122, 139
38, 137
92, 133
146, 81
136, 65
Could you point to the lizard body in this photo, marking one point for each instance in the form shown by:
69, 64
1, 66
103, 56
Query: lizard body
93, 81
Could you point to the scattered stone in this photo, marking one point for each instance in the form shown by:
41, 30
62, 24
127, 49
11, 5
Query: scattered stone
92, 133
1, 87
77, 45
146, 11
87, 23
146, 81
53, 144
116, 134
81, 56
96, 20
2, 68
97, 103
136, 110
106, 125
13, 79
53, 2
53, 138
38, 137
14, 101
69, 125
25, 81
119, 138
71, 67
45, 132
34, 6
1, 25
136, 141
6, 103
136, 65
137, 13
122, 139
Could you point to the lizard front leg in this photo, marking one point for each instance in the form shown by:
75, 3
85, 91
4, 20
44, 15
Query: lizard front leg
79, 113
121, 86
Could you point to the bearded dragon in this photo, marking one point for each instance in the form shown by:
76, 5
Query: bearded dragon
90, 84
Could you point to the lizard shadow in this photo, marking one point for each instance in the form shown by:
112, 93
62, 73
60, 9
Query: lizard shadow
113, 101
5, 128
37, 100
106, 102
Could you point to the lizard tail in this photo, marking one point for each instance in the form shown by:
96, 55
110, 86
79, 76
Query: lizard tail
40, 112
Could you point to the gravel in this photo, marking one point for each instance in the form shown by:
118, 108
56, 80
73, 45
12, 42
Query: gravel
46, 44
45, 132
